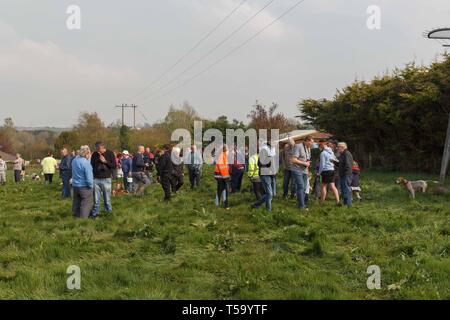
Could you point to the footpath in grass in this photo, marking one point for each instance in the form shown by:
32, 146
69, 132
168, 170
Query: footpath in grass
189, 249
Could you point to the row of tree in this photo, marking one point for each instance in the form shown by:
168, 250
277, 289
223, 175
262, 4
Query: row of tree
90, 129
30, 144
396, 121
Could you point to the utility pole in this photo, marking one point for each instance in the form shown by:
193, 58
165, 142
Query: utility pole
123, 106
446, 156
442, 35
134, 115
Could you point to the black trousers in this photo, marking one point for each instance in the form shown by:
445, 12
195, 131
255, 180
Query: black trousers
48, 178
166, 184
176, 181
17, 176
222, 185
236, 180
257, 189
194, 178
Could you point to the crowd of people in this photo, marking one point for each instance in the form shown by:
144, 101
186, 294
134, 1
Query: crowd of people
87, 176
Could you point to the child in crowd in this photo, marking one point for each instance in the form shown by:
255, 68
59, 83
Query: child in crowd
356, 189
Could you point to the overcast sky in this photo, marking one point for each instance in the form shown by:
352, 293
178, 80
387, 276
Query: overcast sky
49, 74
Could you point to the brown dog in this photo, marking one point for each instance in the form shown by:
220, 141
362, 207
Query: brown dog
119, 190
413, 186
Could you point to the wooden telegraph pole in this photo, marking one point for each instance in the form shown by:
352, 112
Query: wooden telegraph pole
123, 106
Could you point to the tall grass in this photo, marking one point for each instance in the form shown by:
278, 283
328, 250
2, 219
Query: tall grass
189, 249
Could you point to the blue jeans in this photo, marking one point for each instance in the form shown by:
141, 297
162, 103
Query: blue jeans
102, 188
66, 188
288, 179
126, 184
345, 183
301, 182
267, 183
274, 185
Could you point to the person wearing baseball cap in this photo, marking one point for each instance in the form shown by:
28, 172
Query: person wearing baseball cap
126, 163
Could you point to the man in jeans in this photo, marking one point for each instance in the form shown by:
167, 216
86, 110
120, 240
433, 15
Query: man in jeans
301, 161
82, 183
345, 173
268, 165
286, 160
103, 163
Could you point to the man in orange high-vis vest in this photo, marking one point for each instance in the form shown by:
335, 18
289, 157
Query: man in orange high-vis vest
222, 175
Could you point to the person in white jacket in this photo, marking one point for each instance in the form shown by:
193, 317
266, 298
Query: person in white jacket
3, 169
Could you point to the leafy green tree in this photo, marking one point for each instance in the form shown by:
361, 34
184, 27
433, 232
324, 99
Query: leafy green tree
124, 137
395, 121
263, 117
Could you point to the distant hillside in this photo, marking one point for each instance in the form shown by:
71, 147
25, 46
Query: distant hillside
51, 129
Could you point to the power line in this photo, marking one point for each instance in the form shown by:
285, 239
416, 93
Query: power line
211, 51
162, 75
143, 115
231, 51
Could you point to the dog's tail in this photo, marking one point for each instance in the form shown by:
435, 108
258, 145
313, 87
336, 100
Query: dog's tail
432, 181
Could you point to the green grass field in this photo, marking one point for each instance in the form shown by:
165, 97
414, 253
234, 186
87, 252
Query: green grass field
189, 249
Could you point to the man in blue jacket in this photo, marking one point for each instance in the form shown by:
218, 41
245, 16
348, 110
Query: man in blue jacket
82, 183
65, 172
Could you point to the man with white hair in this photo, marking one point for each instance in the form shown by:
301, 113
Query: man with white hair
193, 161
138, 167
345, 173
82, 183
286, 156
301, 163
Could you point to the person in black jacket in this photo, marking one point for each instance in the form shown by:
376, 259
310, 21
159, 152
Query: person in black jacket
103, 163
177, 179
65, 172
149, 160
165, 170
139, 172
345, 173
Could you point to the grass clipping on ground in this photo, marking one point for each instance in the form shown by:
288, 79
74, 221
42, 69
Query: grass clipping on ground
189, 249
